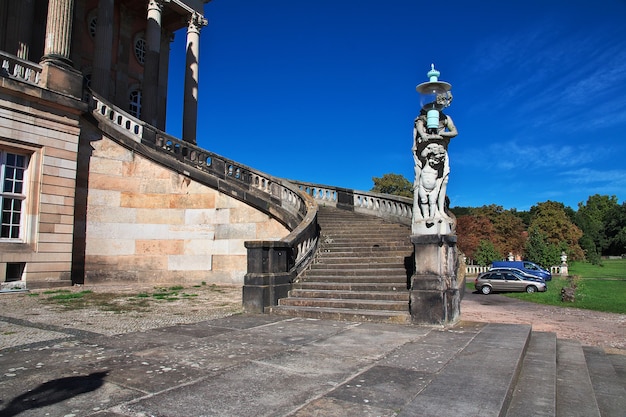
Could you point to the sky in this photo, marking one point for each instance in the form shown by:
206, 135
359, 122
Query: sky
324, 92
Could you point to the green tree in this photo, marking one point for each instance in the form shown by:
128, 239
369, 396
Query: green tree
616, 230
394, 184
540, 250
486, 253
600, 221
552, 221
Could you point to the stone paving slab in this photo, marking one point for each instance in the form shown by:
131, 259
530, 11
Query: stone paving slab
242, 365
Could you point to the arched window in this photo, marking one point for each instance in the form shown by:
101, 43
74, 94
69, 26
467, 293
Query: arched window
134, 106
140, 48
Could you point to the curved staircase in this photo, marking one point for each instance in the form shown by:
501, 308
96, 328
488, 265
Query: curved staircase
361, 271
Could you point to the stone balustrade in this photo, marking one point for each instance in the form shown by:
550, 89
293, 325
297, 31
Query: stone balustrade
19, 69
477, 269
273, 264
390, 207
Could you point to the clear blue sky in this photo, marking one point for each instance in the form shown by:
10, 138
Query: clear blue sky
324, 92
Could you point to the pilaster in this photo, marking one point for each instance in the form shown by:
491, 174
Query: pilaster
101, 76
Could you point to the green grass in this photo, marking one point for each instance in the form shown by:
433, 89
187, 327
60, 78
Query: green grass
114, 302
610, 269
599, 288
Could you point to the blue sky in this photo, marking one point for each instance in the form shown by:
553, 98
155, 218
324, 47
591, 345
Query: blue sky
324, 92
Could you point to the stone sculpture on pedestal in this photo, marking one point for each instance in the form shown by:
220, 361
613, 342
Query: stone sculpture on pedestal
435, 290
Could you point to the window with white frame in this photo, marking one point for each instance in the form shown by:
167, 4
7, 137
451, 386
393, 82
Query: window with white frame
13, 194
134, 105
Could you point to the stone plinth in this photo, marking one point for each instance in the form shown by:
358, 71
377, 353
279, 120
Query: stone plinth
434, 295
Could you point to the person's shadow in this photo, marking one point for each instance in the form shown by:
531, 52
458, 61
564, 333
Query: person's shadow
54, 391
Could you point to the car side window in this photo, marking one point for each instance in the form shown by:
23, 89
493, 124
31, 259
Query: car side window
510, 277
530, 266
495, 275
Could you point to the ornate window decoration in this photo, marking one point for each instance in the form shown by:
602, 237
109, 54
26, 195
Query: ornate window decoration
92, 22
140, 48
134, 104
13, 170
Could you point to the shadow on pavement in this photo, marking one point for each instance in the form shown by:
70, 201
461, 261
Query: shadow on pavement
54, 391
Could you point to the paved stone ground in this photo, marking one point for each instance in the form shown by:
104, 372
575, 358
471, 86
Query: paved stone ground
179, 352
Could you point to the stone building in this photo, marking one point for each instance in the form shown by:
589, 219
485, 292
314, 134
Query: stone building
93, 190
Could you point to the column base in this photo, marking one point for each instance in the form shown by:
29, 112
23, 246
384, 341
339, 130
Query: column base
435, 296
264, 290
431, 303
61, 78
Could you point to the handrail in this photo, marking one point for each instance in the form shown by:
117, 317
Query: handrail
277, 197
13, 67
390, 207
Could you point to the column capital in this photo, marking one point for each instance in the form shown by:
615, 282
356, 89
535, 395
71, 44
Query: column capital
157, 4
196, 22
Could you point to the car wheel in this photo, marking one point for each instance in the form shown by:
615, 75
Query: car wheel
486, 289
531, 289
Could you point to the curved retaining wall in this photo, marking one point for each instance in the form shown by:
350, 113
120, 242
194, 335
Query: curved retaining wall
192, 196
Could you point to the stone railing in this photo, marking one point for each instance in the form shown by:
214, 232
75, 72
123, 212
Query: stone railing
272, 265
19, 69
477, 269
394, 208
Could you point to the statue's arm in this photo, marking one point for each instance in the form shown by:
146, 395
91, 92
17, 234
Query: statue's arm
451, 132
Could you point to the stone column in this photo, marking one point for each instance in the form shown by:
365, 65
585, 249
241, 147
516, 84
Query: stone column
58, 31
101, 75
18, 34
151, 62
190, 109
57, 72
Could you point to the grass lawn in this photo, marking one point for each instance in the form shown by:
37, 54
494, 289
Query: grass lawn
600, 288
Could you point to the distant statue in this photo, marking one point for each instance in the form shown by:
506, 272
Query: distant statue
430, 152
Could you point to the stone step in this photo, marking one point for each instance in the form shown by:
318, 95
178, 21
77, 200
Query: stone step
459, 388
342, 314
329, 259
355, 278
364, 252
347, 304
350, 286
574, 391
536, 387
361, 268
363, 295
609, 391
619, 364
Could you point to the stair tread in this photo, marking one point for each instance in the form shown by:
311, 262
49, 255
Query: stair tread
574, 391
536, 387
458, 389
610, 394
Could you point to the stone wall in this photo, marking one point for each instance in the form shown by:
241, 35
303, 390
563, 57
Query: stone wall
44, 126
148, 224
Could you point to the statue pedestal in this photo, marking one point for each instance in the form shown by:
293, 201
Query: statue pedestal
435, 296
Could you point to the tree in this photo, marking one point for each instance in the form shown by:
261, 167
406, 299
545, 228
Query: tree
508, 229
470, 231
486, 253
539, 250
616, 230
394, 184
551, 220
601, 222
